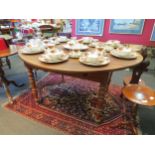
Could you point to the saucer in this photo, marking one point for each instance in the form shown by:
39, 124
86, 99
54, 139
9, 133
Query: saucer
43, 58
102, 62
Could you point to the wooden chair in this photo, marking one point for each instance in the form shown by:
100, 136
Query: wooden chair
136, 74
138, 95
134, 80
137, 71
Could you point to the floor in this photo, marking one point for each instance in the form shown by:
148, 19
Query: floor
12, 123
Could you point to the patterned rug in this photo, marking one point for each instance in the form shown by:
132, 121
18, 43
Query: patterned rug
66, 106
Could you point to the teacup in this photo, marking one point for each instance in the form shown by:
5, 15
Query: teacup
51, 46
87, 40
92, 57
72, 42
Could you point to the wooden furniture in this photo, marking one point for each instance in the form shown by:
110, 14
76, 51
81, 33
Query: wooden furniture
5, 26
137, 70
3, 54
136, 74
6, 30
138, 95
52, 29
74, 68
46, 29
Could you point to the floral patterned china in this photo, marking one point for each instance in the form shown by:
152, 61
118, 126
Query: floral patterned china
75, 46
87, 40
93, 44
125, 53
108, 48
53, 57
75, 54
94, 59
32, 49
113, 43
62, 39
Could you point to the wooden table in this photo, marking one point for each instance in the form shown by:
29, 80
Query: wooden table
3, 54
6, 30
74, 68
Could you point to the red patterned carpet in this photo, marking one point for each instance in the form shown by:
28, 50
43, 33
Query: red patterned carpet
64, 106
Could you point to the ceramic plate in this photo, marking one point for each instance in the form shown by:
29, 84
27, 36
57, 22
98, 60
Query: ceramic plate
75, 55
62, 59
62, 40
76, 47
118, 54
105, 61
24, 51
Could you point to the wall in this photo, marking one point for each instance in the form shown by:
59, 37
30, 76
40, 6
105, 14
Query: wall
143, 39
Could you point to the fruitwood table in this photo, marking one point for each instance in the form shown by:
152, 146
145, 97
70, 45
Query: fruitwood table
74, 68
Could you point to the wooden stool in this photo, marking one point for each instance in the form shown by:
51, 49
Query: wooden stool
139, 95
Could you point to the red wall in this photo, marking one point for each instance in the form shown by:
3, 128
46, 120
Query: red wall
143, 39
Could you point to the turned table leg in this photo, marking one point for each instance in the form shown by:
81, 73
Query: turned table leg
32, 83
97, 107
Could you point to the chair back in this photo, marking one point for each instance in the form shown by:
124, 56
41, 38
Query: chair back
144, 53
138, 70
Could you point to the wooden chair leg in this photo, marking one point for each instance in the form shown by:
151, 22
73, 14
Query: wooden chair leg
7, 91
8, 62
129, 118
132, 118
1, 63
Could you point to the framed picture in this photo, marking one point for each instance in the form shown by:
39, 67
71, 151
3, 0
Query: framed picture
127, 26
153, 34
90, 27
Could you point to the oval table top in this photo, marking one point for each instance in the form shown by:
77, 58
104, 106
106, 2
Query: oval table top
8, 52
74, 66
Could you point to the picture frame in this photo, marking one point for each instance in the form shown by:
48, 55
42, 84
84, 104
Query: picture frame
127, 26
153, 34
90, 27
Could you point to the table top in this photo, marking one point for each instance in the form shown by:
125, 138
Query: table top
74, 66
8, 52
